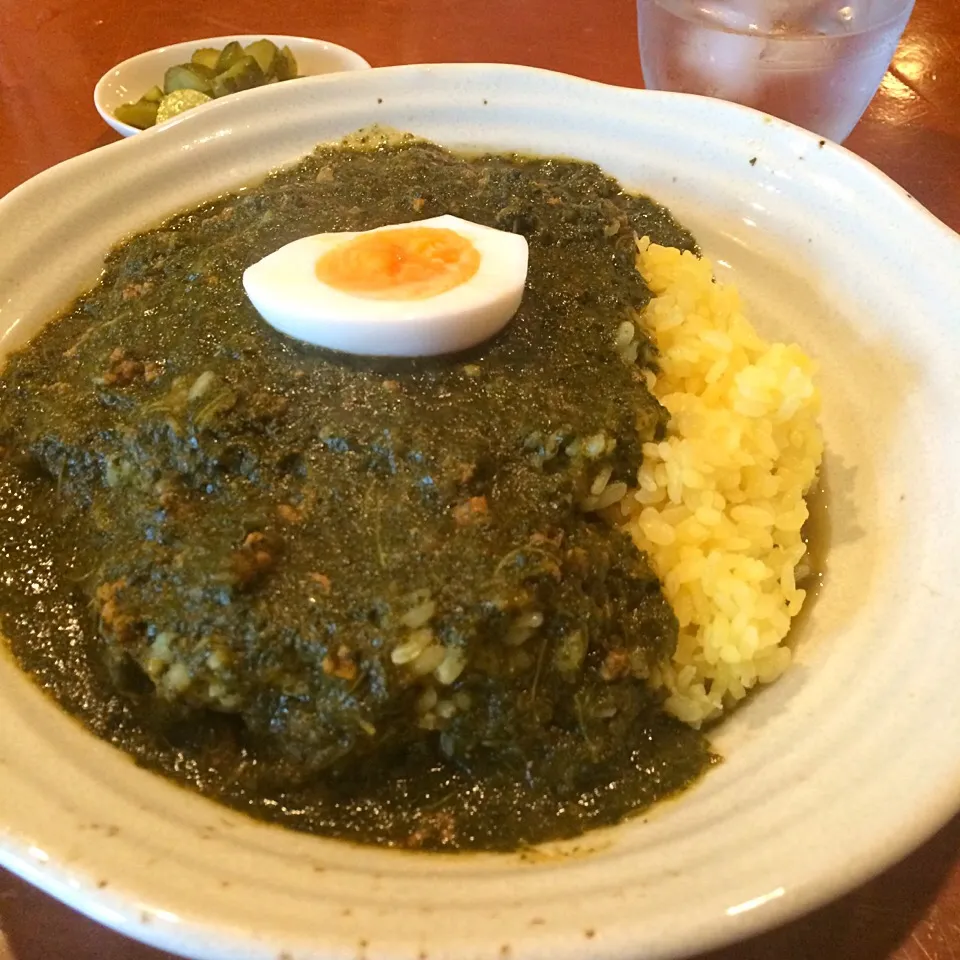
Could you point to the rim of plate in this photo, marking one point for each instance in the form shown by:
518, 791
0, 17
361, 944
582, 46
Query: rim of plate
171, 869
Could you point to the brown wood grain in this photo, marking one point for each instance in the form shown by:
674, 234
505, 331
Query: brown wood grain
911, 132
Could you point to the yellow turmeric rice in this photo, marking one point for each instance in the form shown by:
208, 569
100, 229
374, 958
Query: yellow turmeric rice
720, 501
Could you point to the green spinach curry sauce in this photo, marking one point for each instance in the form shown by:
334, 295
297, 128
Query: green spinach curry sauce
358, 597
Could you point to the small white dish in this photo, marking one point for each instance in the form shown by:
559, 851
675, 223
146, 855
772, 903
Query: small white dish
830, 775
128, 81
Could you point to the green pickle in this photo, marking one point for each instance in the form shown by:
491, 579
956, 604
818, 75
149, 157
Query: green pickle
229, 55
206, 57
243, 75
141, 114
286, 68
189, 76
265, 52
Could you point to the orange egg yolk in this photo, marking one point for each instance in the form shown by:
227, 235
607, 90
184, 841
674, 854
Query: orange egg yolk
409, 263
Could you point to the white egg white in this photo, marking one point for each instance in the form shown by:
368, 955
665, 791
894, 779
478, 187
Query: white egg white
288, 294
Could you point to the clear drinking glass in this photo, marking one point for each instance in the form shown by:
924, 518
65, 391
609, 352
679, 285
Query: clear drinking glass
816, 63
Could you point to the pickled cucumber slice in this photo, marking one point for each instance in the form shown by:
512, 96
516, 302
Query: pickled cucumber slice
188, 76
286, 66
141, 114
265, 52
206, 57
177, 102
244, 74
153, 95
229, 55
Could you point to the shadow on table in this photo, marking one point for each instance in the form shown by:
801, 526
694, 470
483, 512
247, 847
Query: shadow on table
868, 924
873, 921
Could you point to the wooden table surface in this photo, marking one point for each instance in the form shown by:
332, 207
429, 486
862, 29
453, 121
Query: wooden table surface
53, 51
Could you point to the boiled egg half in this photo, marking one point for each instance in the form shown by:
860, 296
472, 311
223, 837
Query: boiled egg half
411, 289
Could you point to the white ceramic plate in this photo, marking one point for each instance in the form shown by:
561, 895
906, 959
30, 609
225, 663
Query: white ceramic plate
130, 80
830, 775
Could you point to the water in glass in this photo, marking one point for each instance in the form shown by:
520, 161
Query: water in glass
816, 63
